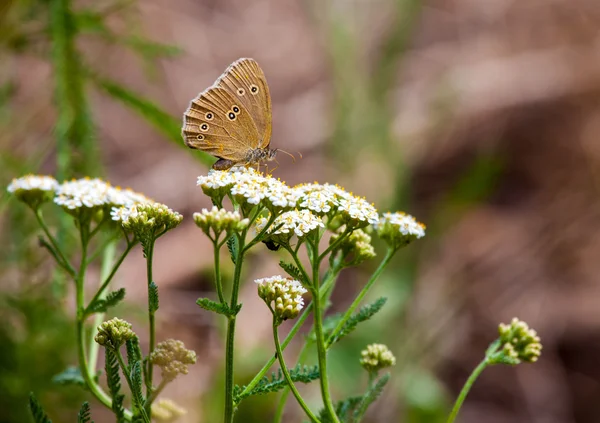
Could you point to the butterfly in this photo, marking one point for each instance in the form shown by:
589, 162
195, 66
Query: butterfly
232, 118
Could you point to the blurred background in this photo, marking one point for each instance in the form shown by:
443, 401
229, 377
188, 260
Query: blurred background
480, 118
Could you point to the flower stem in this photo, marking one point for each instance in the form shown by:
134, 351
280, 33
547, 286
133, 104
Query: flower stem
287, 376
318, 327
125, 370
151, 311
299, 322
361, 295
60, 257
229, 349
107, 262
465, 390
286, 392
217, 248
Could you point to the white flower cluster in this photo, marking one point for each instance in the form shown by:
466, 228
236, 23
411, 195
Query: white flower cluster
332, 199
247, 185
284, 294
91, 193
219, 220
399, 229
33, 182
298, 222
141, 217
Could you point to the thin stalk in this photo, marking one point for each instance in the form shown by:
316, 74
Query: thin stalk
299, 322
334, 245
229, 349
125, 371
287, 376
107, 263
217, 249
286, 392
64, 263
151, 323
390, 253
465, 390
110, 276
318, 326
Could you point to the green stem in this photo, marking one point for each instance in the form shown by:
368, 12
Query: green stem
287, 376
125, 371
299, 322
335, 244
390, 253
63, 262
318, 327
465, 390
109, 278
107, 262
218, 283
156, 392
229, 349
151, 323
286, 392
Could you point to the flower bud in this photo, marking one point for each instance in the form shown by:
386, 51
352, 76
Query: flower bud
282, 295
219, 220
399, 229
114, 333
519, 343
173, 358
376, 357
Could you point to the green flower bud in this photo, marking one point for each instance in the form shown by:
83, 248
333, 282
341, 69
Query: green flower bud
518, 343
114, 333
282, 295
355, 248
217, 221
376, 357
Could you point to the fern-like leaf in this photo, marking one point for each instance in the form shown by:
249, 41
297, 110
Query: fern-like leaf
112, 299
343, 409
37, 411
136, 385
220, 308
303, 374
113, 380
134, 353
152, 297
370, 396
85, 414
293, 271
70, 376
365, 313
232, 246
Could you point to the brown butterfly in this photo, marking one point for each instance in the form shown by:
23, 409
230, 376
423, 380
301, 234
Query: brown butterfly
232, 119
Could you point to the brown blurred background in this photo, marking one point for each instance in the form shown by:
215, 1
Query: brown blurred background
480, 118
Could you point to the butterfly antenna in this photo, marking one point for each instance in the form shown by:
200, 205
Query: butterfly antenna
289, 154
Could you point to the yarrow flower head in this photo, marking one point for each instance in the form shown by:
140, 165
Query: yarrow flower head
249, 188
518, 343
294, 222
33, 190
282, 295
173, 358
355, 248
337, 204
376, 357
165, 410
399, 229
146, 220
114, 333
218, 221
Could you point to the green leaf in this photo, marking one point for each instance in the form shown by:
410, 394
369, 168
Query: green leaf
102, 304
370, 396
38, 413
365, 313
85, 414
134, 353
293, 271
136, 386
343, 410
219, 308
70, 376
150, 111
152, 297
232, 246
113, 380
304, 374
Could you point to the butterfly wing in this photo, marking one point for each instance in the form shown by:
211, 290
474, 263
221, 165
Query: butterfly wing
246, 82
219, 124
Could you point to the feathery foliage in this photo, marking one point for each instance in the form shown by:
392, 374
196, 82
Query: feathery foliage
343, 409
233, 246
85, 414
102, 304
370, 396
220, 308
134, 353
293, 271
304, 374
38, 413
153, 297
113, 381
70, 376
365, 313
